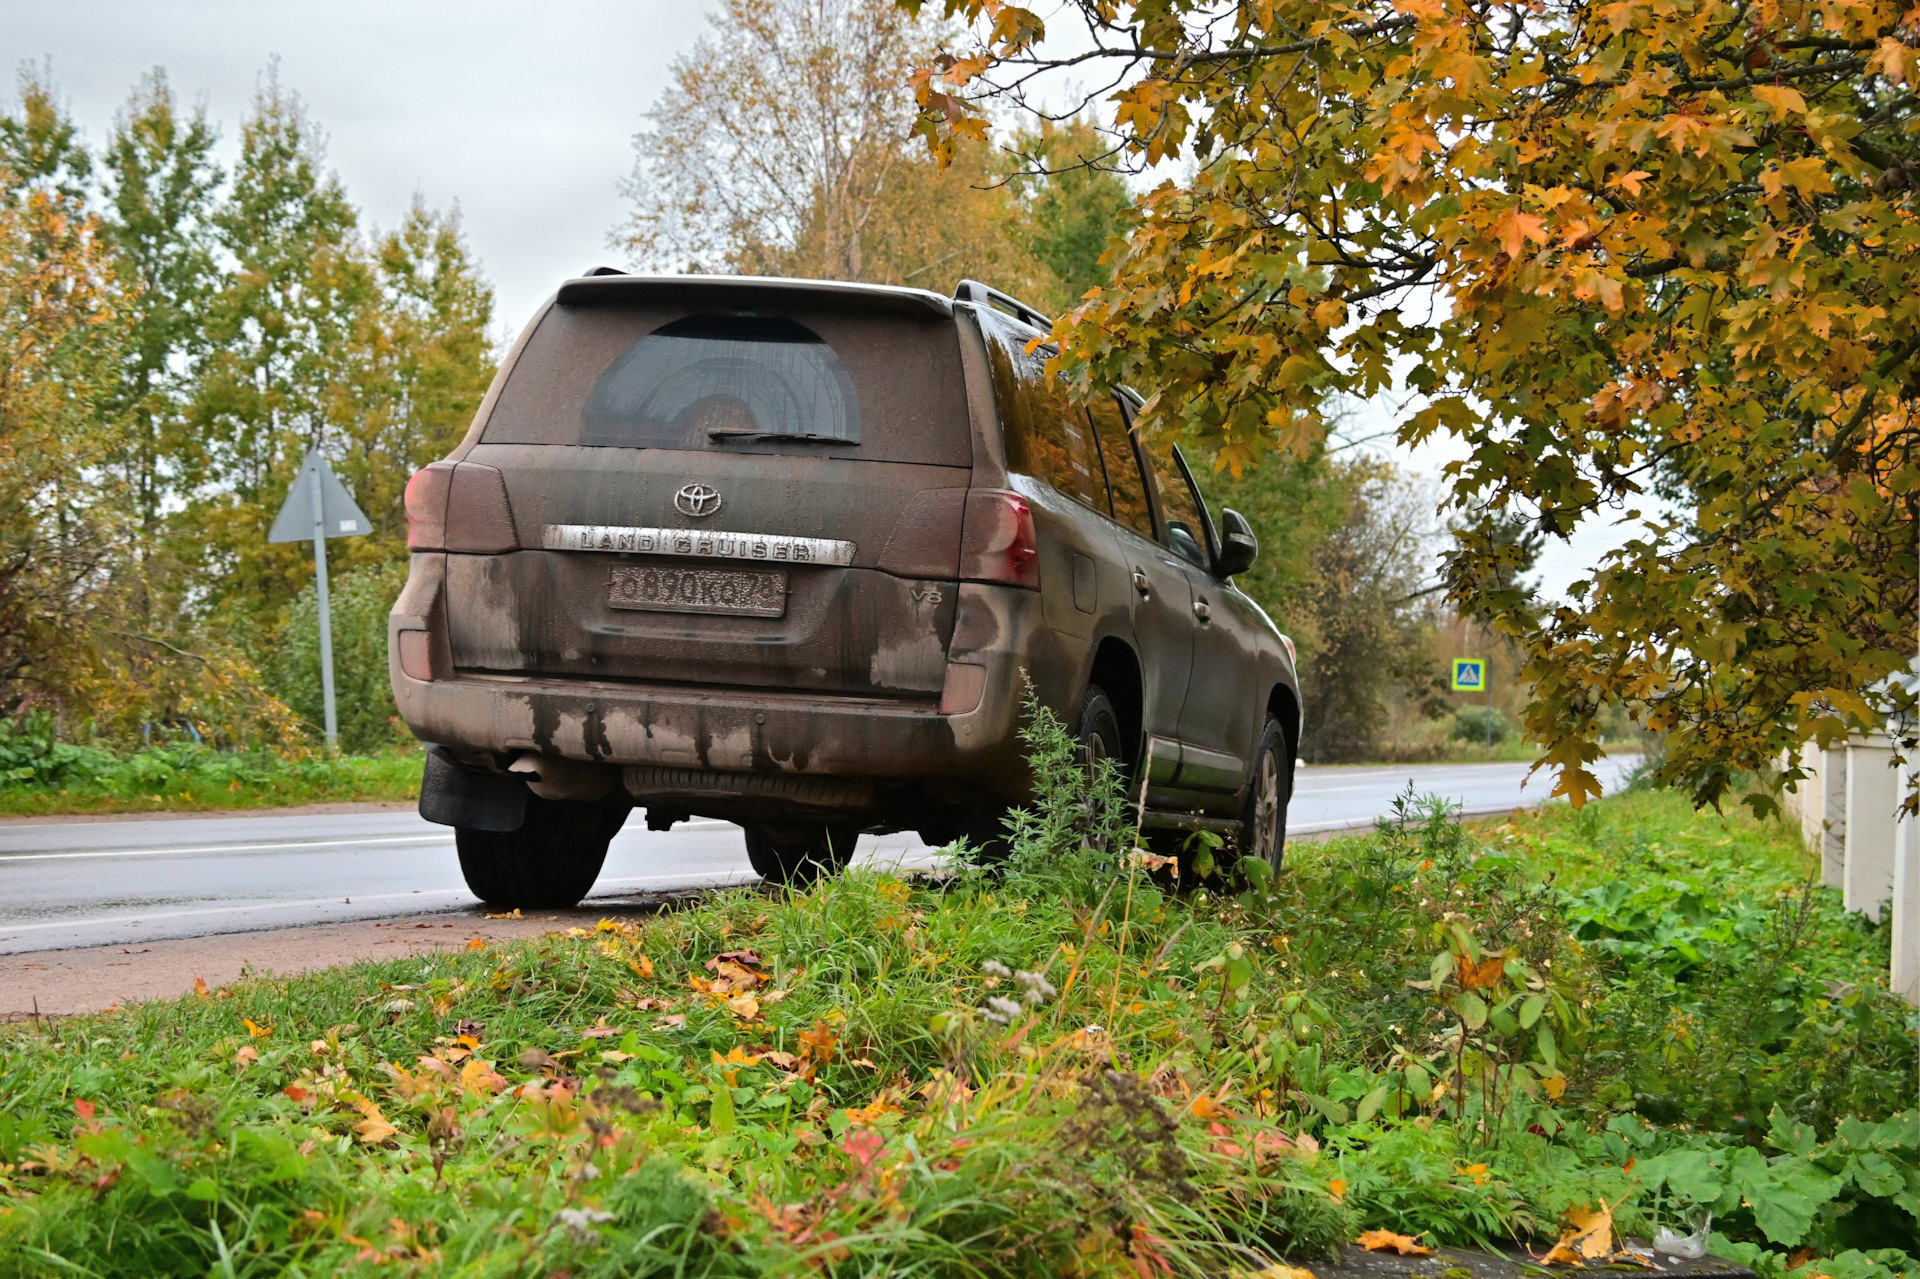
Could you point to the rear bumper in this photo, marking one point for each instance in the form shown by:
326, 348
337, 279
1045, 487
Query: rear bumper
753, 735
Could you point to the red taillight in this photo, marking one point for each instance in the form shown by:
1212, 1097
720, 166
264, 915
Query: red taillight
427, 507
459, 506
999, 544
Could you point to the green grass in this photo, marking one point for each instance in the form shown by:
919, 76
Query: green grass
1453, 1032
187, 778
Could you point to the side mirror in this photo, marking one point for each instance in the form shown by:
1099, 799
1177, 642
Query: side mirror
1238, 546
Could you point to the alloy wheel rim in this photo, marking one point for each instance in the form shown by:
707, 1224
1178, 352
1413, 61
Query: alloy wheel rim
1266, 812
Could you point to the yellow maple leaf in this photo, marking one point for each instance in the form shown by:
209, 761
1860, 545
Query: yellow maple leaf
374, 1129
256, 1030
1590, 1230
1515, 228
479, 1077
1780, 99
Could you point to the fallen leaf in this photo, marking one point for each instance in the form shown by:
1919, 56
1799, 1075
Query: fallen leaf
671, 1019
1337, 1189
642, 965
247, 1055
863, 1146
374, 1129
872, 1113
1591, 1230
296, 1093
745, 1007
257, 1031
84, 1109
479, 1077
200, 987
1381, 1240
1277, 1271
1268, 1146
476, 943
599, 1032
747, 957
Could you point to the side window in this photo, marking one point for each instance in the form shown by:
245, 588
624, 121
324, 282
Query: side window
1186, 532
1127, 488
1047, 437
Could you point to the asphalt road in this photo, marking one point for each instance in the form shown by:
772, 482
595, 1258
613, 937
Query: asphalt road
112, 883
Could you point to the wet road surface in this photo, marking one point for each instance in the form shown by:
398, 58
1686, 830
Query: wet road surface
91, 883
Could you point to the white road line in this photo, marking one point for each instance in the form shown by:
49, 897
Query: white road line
9, 929
226, 848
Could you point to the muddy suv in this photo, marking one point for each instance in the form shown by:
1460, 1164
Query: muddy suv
788, 553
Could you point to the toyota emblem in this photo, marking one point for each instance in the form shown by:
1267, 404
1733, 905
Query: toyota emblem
696, 500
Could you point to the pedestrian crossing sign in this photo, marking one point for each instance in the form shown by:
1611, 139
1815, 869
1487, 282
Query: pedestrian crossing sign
1469, 675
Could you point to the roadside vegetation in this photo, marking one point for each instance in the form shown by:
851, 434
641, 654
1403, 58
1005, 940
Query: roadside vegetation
41, 775
1548, 1031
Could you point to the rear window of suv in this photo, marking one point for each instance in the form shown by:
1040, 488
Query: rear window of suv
830, 383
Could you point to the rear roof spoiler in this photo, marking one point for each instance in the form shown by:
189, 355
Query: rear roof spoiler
983, 295
744, 292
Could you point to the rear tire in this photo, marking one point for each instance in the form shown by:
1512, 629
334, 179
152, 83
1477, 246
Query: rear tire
1099, 731
796, 854
549, 863
1263, 823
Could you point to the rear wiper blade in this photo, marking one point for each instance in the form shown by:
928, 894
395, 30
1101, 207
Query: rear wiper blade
809, 437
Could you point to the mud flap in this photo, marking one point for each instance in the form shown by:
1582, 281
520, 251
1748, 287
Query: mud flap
452, 794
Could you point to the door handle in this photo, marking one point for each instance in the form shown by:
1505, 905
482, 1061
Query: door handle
1201, 611
1140, 583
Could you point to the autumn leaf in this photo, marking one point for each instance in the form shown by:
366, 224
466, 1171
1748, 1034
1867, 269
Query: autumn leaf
1590, 1230
200, 988
479, 1078
1780, 99
255, 1030
476, 943
1382, 1240
1515, 228
374, 1128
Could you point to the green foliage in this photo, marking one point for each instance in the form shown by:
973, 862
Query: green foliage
177, 338
1475, 724
359, 602
1064, 1064
40, 774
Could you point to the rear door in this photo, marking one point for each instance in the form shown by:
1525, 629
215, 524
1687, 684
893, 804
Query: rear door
744, 497
1156, 587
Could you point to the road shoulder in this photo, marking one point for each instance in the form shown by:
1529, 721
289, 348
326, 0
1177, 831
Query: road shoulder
98, 978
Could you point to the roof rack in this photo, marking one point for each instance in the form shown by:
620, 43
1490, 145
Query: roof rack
982, 295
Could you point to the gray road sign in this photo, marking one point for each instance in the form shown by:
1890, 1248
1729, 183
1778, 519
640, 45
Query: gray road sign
340, 515
319, 507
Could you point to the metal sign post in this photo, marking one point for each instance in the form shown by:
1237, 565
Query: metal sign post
318, 506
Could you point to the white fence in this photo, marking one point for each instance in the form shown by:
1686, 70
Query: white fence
1849, 809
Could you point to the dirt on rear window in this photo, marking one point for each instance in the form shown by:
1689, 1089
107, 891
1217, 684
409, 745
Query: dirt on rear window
830, 383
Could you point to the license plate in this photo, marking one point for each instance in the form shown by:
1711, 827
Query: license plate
672, 589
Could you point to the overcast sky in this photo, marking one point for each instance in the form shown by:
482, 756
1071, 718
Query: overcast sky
520, 113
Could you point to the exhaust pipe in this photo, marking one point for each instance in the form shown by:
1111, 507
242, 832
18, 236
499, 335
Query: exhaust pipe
554, 777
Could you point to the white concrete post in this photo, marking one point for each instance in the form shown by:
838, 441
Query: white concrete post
1833, 816
1873, 796
1906, 901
